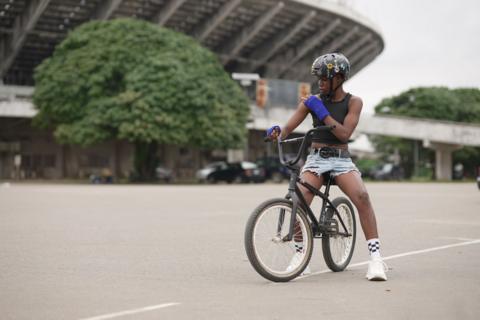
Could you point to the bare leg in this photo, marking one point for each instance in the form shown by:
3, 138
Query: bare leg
316, 182
312, 179
352, 185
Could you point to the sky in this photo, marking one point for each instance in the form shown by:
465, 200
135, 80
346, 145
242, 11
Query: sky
427, 43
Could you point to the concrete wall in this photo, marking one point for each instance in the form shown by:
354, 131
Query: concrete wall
43, 158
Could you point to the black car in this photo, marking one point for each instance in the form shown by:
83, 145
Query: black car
231, 172
274, 170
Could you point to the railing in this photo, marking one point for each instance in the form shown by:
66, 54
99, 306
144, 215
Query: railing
16, 101
10, 93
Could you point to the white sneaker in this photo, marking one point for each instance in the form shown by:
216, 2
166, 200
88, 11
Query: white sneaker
306, 271
376, 270
295, 262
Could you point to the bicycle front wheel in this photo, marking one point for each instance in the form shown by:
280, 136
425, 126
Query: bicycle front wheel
338, 248
270, 254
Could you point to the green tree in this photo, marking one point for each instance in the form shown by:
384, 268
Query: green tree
462, 105
130, 79
440, 103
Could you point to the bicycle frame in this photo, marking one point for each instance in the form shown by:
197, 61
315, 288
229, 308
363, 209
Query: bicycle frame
322, 225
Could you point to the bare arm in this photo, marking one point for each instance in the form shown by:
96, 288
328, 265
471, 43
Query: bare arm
344, 131
300, 114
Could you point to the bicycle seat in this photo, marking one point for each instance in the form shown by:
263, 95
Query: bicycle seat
328, 175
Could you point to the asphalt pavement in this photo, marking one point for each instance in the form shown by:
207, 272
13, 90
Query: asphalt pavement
176, 252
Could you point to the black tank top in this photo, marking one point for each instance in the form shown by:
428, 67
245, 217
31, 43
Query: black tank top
338, 110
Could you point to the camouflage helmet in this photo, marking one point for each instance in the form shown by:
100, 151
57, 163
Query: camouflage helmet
331, 64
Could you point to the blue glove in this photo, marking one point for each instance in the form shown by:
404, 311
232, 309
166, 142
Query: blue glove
273, 129
316, 106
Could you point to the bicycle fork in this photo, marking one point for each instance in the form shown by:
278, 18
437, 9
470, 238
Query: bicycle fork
293, 196
281, 221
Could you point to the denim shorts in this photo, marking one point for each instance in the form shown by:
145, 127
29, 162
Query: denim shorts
319, 165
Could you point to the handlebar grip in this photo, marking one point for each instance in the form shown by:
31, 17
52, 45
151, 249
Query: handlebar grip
269, 138
291, 140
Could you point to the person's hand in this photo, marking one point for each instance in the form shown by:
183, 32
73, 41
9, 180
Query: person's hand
316, 106
273, 132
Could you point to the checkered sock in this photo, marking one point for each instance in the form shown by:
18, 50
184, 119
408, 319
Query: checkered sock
298, 246
374, 247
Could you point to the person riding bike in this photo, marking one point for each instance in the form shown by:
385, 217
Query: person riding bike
329, 149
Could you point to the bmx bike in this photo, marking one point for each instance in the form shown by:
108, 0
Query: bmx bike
279, 233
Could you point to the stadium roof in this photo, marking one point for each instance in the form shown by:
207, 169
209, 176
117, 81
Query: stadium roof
278, 39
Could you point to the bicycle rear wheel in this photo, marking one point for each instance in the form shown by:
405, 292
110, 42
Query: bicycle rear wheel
338, 248
271, 256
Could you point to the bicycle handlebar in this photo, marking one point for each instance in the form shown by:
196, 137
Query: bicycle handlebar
302, 146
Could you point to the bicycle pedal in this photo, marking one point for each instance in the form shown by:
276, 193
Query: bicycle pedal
331, 226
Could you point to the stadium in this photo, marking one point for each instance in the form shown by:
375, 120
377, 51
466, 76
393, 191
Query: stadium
266, 45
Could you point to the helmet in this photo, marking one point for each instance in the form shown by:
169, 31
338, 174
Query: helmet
331, 64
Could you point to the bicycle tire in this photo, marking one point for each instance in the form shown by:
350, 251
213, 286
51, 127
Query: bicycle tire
253, 242
332, 242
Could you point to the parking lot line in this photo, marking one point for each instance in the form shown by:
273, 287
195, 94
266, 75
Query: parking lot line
401, 255
133, 311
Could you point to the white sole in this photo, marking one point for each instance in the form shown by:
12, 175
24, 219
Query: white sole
377, 278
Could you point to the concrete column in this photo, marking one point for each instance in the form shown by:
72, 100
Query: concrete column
443, 159
416, 156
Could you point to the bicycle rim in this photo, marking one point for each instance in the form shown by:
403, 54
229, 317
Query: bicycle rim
275, 256
340, 247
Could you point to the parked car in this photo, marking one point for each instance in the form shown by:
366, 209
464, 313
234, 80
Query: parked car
105, 176
164, 174
210, 171
231, 172
274, 170
388, 171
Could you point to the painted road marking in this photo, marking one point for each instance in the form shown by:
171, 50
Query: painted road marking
458, 238
133, 311
410, 253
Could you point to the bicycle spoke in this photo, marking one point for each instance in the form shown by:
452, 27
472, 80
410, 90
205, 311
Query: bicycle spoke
338, 248
340, 243
273, 254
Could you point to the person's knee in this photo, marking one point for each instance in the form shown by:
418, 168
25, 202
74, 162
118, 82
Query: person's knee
363, 199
